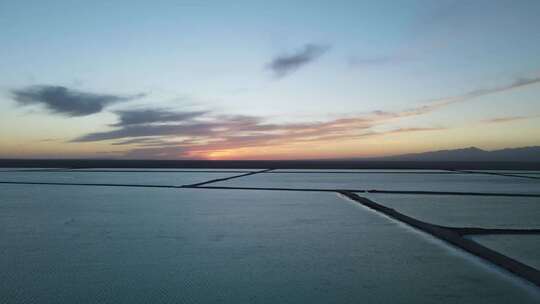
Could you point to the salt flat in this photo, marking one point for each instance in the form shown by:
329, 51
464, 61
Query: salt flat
66, 244
164, 170
524, 248
467, 211
465, 182
137, 178
363, 171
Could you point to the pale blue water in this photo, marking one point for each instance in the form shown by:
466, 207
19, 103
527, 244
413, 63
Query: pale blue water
70, 244
137, 178
525, 248
364, 170
519, 172
537, 175
166, 170
466, 211
526, 173
396, 182
10, 169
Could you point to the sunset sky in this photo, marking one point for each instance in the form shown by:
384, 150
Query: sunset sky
266, 79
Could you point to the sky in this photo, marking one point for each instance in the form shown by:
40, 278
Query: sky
266, 79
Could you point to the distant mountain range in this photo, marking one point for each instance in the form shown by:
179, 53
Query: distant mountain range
527, 158
525, 154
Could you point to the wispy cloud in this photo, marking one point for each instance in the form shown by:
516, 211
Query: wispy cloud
520, 82
161, 133
262, 141
144, 116
508, 119
162, 152
198, 135
438, 103
66, 101
150, 141
288, 63
193, 129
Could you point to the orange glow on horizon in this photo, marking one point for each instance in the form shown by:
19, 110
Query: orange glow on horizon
378, 145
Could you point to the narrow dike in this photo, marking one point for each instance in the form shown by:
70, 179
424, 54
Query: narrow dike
454, 237
224, 179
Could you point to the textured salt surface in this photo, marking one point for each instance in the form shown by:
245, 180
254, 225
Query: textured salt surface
363, 170
519, 172
68, 244
525, 248
25, 169
398, 182
165, 170
138, 178
466, 211
537, 175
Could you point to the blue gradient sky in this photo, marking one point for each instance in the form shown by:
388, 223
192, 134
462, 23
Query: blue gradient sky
213, 56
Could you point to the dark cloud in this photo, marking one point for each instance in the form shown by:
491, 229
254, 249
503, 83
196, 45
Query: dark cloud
165, 152
185, 125
143, 141
193, 129
65, 101
135, 117
161, 152
286, 64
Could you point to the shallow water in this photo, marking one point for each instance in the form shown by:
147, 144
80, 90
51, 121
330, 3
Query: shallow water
363, 171
137, 178
524, 248
167, 170
26, 169
519, 172
466, 211
69, 244
536, 175
397, 182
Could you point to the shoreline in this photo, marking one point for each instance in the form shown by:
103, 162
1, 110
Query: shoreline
260, 164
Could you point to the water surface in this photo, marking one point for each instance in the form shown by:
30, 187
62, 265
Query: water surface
466, 211
524, 248
70, 244
397, 182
